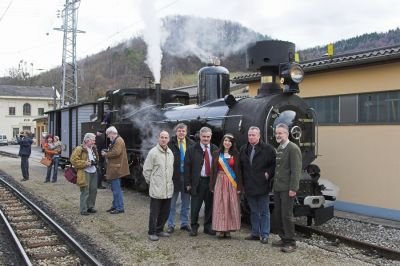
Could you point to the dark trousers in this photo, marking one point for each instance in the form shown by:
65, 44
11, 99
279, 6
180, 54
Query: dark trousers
25, 166
159, 211
283, 212
100, 171
203, 194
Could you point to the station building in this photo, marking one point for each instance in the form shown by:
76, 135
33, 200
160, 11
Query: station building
20, 106
357, 100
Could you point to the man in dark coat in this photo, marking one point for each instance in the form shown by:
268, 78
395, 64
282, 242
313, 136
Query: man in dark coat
198, 160
179, 145
258, 167
25, 142
100, 145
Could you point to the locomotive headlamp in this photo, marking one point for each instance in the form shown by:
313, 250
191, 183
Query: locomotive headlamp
291, 74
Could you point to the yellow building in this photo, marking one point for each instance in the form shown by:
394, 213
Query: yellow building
357, 100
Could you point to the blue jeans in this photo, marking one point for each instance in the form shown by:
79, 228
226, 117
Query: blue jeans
185, 207
54, 164
118, 199
259, 217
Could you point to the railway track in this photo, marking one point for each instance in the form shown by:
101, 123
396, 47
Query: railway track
372, 249
39, 239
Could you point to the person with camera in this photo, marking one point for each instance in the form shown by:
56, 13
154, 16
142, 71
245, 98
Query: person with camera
25, 142
117, 167
84, 159
100, 145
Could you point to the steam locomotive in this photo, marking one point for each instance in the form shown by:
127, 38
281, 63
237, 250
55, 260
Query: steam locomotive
139, 114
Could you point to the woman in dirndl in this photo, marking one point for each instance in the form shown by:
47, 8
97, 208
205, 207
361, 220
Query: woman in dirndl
226, 184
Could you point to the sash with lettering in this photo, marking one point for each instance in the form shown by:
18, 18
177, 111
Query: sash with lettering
228, 170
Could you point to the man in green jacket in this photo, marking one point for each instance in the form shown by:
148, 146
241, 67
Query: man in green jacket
286, 183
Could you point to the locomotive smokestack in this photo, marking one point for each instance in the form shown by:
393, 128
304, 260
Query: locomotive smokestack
158, 93
266, 57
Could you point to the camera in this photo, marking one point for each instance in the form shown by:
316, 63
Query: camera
93, 163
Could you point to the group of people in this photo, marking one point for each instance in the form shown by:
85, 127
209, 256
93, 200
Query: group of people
197, 173
217, 176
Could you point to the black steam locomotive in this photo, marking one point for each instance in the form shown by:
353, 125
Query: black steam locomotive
139, 114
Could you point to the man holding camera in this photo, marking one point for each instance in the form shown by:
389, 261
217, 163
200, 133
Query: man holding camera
84, 159
25, 142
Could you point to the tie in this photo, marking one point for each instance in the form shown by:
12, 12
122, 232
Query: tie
207, 161
252, 154
182, 153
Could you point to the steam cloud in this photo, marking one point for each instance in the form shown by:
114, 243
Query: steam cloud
145, 117
152, 35
205, 38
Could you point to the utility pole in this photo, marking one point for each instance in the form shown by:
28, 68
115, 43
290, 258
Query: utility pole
69, 83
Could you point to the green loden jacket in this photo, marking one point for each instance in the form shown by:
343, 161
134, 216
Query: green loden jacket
288, 168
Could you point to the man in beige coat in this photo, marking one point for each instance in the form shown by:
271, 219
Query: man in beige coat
117, 167
158, 169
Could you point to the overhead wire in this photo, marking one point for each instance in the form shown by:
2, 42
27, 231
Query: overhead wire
5, 11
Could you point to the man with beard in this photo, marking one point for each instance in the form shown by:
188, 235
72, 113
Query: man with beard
286, 183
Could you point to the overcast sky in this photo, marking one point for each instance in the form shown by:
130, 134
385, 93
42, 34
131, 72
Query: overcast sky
26, 26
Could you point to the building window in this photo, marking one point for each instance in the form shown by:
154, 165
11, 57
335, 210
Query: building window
26, 109
326, 108
26, 128
381, 107
11, 110
15, 131
40, 111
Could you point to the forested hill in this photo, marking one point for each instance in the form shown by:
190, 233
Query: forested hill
363, 42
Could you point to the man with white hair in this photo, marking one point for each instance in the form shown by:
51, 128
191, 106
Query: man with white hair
84, 159
117, 167
286, 183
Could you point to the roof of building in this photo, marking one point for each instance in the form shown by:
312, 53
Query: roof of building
26, 91
192, 89
383, 54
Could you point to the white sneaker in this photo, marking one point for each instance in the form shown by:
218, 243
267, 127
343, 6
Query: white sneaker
153, 238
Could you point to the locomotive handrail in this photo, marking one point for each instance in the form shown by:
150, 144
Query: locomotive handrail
316, 130
266, 124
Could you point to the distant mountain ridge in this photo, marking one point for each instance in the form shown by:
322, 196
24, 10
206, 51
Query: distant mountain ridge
189, 40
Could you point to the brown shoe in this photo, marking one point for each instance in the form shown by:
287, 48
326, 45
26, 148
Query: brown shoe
288, 248
278, 244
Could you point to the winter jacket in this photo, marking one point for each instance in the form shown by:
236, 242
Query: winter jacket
79, 158
174, 146
24, 146
158, 169
254, 180
288, 168
48, 152
193, 163
117, 165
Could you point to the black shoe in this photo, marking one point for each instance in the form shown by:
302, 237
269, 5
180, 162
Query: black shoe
193, 232
209, 232
85, 213
170, 230
264, 240
101, 187
91, 210
251, 237
53, 181
24, 179
186, 228
46, 181
288, 248
110, 209
116, 211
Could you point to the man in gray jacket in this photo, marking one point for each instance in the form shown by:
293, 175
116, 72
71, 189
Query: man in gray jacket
157, 170
286, 183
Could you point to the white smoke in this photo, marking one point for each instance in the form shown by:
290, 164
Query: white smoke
153, 37
205, 38
144, 118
